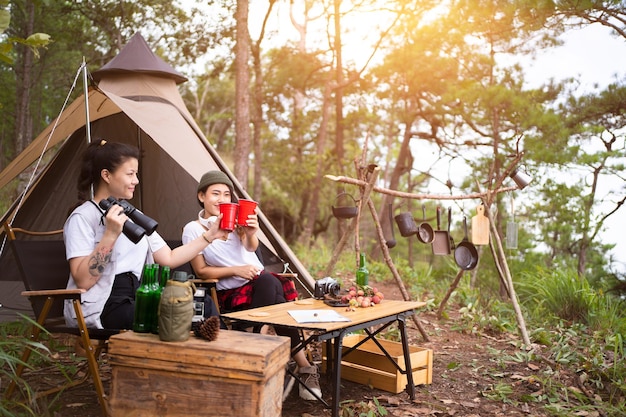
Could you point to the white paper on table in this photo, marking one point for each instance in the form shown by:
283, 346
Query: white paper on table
316, 316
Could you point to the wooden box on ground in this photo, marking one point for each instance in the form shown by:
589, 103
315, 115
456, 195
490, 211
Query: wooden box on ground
239, 374
369, 366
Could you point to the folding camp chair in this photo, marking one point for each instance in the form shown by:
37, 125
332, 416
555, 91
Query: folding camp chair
40, 258
208, 284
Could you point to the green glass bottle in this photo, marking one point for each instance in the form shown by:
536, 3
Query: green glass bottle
362, 274
163, 275
143, 301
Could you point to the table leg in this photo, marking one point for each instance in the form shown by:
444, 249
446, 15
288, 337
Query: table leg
410, 385
337, 373
330, 364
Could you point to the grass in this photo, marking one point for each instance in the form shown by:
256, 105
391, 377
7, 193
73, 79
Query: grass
44, 357
12, 344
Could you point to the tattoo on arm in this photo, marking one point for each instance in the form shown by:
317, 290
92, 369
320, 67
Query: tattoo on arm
99, 261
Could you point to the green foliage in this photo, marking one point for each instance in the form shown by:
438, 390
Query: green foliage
34, 41
44, 356
12, 343
494, 319
351, 408
598, 358
498, 392
562, 295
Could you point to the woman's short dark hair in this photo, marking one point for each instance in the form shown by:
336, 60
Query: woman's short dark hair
101, 155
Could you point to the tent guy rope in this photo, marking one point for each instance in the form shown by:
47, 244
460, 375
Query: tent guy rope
43, 152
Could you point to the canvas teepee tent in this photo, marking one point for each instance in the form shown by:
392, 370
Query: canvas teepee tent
135, 101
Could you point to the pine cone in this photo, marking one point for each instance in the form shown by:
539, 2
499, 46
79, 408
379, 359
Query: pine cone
207, 328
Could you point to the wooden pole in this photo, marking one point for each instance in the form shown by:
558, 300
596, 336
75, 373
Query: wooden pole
392, 267
521, 322
449, 293
352, 227
470, 196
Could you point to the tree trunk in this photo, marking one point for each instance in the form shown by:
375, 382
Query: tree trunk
242, 96
338, 101
23, 80
405, 161
306, 238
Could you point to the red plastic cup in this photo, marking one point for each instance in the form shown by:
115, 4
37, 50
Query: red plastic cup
229, 216
246, 208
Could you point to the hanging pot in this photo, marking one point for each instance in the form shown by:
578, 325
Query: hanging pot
406, 224
441, 242
466, 254
347, 211
425, 232
391, 242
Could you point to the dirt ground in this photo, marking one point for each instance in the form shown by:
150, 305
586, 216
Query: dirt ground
468, 372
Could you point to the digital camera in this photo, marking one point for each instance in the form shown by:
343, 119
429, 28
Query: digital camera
326, 286
198, 304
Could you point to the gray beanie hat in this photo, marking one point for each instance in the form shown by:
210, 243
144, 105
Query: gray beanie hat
214, 177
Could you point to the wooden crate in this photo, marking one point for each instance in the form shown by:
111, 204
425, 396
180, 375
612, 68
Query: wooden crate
369, 366
239, 374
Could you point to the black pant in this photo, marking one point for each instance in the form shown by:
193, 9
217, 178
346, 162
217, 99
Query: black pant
119, 310
268, 290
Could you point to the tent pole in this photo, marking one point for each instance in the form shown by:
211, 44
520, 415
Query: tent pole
86, 89
87, 124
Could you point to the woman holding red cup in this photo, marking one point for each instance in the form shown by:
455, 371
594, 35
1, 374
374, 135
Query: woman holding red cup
242, 281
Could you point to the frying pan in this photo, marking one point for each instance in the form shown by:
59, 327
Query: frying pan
441, 242
425, 232
465, 254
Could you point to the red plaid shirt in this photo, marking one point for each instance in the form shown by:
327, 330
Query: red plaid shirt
240, 298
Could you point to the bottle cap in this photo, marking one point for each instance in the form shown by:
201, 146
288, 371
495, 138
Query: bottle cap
180, 276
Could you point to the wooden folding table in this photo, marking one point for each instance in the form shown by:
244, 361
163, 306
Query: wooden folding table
382, 315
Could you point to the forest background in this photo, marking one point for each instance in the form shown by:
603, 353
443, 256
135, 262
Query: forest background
442, 96
437, 95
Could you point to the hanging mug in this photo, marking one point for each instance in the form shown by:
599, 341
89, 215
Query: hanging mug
406, 224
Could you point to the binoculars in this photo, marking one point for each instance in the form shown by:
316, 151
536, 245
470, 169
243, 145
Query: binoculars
141, 224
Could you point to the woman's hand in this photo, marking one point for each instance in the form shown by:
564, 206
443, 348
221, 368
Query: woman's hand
248, 272
215, 232
252, 225
115, 219
248, 233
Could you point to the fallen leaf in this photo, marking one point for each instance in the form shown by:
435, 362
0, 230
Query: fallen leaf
575, 389
393, 401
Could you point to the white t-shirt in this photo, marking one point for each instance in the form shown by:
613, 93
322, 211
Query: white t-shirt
230, 252
82, 231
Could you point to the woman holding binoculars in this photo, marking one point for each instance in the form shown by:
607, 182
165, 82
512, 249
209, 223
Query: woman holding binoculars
103, 260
